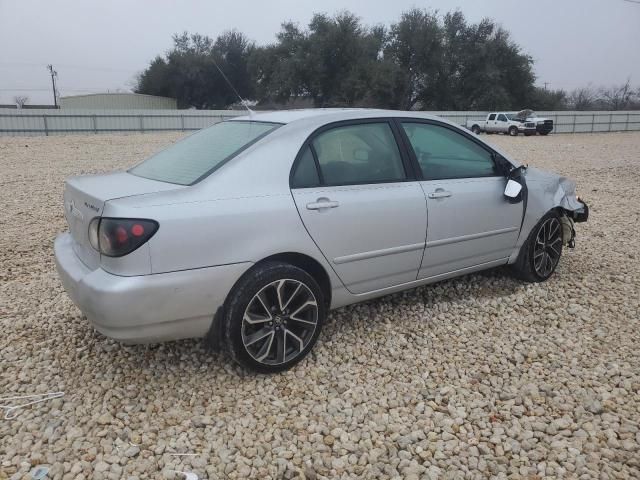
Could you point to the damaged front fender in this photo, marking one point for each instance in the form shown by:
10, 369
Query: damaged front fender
548, 191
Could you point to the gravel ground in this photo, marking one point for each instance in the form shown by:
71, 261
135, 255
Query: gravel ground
478, 377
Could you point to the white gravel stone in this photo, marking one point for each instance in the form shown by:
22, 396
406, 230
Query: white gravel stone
477, 377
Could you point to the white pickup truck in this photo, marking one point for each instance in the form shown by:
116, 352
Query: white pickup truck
512, 123
502, 122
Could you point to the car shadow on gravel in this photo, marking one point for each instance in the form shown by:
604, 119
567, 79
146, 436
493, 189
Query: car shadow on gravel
497, 282
193, 357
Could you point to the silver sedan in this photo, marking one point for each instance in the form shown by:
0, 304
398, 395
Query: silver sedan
247, 233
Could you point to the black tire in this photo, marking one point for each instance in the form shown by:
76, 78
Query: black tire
528, 266
476, 129
544, 134
244, 297
513, 131
529, 134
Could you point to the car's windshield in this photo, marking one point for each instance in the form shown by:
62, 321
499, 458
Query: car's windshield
198, 155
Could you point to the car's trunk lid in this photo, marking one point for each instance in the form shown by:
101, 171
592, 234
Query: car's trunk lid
85, 197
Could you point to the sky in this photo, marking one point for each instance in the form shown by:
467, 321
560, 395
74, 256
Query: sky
99, 46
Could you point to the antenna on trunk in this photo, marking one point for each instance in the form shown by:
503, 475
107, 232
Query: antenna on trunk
242, 100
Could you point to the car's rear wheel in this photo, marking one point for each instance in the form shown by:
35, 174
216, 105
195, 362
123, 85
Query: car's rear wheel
541, 253
476, 129
273, 317
513, 131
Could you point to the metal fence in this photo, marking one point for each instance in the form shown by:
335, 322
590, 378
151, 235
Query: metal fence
63, 122
569, 122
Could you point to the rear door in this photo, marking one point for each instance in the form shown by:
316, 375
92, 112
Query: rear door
491, 123
356, 196
471, 223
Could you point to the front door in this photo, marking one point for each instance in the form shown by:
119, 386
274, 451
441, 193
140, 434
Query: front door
352, 191
470, 222
502, 123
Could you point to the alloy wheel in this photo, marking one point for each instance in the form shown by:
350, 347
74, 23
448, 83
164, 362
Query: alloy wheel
548, 247
279, 322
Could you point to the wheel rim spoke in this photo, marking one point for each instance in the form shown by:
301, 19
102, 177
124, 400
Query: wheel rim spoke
266, 348
270, 333
263, 302
257, 336
295, 337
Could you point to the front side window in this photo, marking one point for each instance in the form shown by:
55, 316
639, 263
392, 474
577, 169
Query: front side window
198, 155
502, 118
444, 153
365, 153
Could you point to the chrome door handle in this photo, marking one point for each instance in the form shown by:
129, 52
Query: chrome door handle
439, 193
321, 204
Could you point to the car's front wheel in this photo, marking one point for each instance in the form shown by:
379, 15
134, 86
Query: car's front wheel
513, 131
273, 317
541, 253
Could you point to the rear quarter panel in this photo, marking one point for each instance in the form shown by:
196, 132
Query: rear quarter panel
244, 212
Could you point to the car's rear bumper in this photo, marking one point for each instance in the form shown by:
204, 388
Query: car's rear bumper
147, 308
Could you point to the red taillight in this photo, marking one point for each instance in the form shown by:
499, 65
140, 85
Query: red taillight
120, 236
137, 230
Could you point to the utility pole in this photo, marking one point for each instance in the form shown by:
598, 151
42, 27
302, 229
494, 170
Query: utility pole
54, 75
545, 85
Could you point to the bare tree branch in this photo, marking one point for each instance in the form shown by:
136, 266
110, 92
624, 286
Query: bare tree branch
20, 101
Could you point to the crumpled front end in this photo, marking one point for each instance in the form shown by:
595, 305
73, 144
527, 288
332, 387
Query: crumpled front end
547, 191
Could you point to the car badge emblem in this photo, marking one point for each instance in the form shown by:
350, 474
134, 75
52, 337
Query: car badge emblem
74, 211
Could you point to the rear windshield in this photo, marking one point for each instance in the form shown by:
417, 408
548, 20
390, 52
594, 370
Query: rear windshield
198, 155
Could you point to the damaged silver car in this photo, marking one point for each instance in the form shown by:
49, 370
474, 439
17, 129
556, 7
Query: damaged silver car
247, 233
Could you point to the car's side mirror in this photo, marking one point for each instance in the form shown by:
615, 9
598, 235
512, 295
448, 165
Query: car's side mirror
516, 187
513, 189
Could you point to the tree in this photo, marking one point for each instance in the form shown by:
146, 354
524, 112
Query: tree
582, 98
617, 97
449, 64
20, 100
189, 71
332, 62
543, 99
423, 61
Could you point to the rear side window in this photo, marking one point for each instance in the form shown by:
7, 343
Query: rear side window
359, 154
444, 153
492, 116
198, 155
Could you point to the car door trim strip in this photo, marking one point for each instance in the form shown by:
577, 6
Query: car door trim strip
378, 253
473, 236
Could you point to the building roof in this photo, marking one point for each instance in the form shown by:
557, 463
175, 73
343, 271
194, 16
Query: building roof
114, 93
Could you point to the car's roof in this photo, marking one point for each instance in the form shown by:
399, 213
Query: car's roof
327, 115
